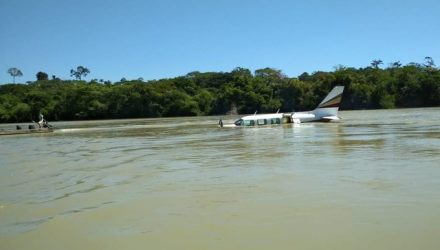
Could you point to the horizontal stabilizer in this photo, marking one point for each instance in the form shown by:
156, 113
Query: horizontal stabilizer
330, 118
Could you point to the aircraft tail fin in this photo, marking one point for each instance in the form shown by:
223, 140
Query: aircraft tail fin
330, 104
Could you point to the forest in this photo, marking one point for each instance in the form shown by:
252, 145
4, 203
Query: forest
217, 93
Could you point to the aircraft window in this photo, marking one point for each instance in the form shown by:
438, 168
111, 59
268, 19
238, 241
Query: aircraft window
238, 122
261, 121
249, 123
275, 121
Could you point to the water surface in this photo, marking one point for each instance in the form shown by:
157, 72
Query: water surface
371, 181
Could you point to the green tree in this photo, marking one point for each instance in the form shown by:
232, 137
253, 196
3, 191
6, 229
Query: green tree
21, 112
79, 72
14, 72
375, 63
269, 73
205, 101
42, 76
429, 62
396, 64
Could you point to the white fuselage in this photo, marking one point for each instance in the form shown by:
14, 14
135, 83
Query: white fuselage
279, 118
326, 111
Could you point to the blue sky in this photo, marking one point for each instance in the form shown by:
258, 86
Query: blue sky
156, 39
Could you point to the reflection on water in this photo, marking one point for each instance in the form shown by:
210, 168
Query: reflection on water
371, 181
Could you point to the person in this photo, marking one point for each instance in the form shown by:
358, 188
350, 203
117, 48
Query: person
42, 123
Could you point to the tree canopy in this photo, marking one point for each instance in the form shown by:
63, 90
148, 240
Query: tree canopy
79, 72
218, 93
14, 72
42, 76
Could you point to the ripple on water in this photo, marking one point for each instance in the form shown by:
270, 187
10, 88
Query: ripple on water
22, 226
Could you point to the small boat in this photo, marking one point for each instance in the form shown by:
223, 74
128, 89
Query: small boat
41, 127
26, 131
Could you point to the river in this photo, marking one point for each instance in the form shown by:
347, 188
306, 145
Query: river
370, 181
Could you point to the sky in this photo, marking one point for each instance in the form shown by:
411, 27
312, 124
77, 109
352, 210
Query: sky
156, 39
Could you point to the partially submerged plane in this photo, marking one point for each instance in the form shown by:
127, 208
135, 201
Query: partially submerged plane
326, 111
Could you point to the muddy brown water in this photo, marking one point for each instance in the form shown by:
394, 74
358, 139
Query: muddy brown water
370, 181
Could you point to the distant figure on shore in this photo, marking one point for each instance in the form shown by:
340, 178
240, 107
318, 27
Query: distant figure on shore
42, 123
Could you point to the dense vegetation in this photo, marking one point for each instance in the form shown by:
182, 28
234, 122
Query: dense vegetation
213, 93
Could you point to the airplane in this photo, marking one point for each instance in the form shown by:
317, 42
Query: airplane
326, 111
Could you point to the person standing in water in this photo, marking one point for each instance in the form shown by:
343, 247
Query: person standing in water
42, 123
